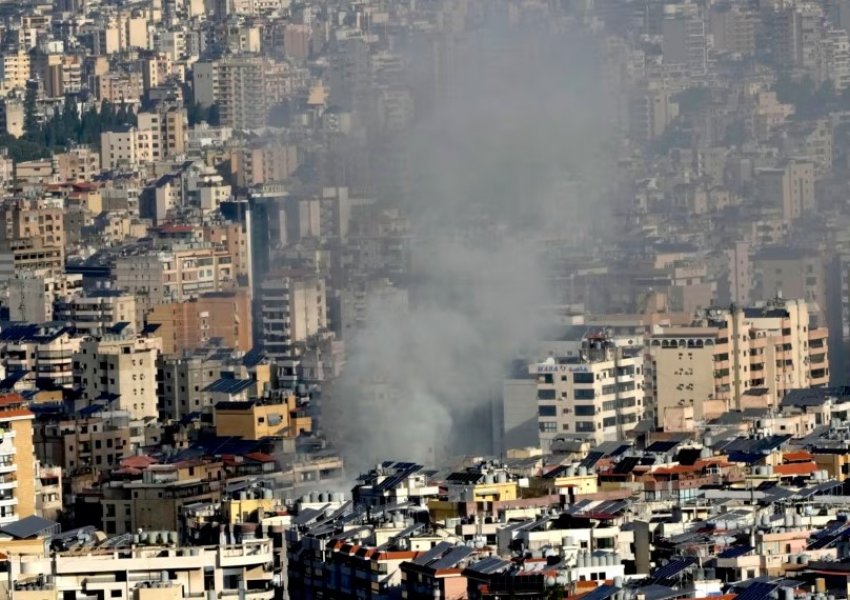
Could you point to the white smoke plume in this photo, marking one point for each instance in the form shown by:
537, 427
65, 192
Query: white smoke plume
494, 172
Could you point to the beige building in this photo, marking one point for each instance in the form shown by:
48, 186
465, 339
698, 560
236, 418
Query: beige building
20, 256
60, 74
17, 460
31, 295
119, 373
12, 117
119, 148
33, 220
177, 275
271, 163
255, 420
119, 88
157, 569
193, 324
79, 164
244, 87
14, 70
791, 188
163, 133
597, 395
98, 311
793, 273
293, 308
41, 351
734, 359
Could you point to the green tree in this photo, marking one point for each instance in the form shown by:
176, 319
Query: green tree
30, 123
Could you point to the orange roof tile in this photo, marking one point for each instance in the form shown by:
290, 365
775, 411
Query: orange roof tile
800, 468
797, 456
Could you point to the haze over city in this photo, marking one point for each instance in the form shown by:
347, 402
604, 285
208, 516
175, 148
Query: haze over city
425, 299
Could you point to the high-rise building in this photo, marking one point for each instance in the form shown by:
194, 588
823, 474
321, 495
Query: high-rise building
683, 42
17, 460
119, 372
223, 317
790, 187
735, 358
597, 395
293, 308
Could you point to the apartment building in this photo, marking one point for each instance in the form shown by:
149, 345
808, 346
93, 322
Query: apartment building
596, 395
119, 148
267, 163
59, 73
33, 220
165, 132
183, 379
220, 317
24, 255
14, 70
31, 295
735, 359
12, 115
157, 569
98, 441
256, 419
293, 307
244, 88
793, 273
156, 501
97, 311
17, 460
119, 88
789, 187
185, 271
77, 164
119, 372
40, 351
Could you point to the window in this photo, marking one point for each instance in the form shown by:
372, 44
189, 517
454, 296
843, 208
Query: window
585, 411
585, 394
548, 427
584, 426
546, 394
547, 410
582, 377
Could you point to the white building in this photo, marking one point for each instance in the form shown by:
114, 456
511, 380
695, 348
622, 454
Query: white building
597, 395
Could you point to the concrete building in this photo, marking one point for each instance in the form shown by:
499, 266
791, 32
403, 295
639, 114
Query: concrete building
17, 460
255, 419
31, 296
790, 188
39, 351
650, 110
793, 273
183, 380
177, 275
597, 395
267, 163
155, 570
221, 317
14, 70
243, 87
683, 41
119, 148
293, 307
98, 311
119, 372
735, 359
12, 117
33, 220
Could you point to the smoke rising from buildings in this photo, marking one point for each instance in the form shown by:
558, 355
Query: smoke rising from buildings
508, 156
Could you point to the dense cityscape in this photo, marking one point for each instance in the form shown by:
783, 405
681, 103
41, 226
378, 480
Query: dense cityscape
425, 299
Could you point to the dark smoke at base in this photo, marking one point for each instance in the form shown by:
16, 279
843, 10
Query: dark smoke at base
493, 173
